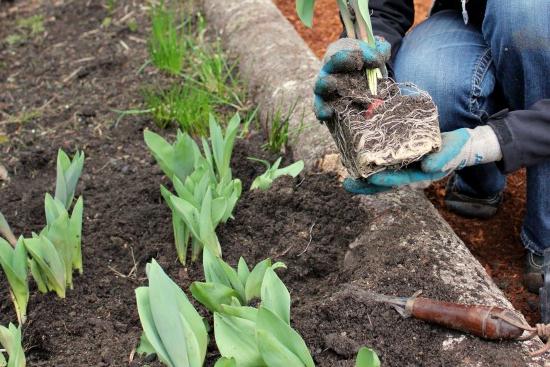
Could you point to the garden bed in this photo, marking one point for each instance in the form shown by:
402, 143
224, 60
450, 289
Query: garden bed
308, 222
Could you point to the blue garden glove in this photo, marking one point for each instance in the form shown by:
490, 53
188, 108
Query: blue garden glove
460, 148
344, 56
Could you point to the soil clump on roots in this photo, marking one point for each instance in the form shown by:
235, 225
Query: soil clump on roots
396, 127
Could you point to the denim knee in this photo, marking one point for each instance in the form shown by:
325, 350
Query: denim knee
511, 25
452, 62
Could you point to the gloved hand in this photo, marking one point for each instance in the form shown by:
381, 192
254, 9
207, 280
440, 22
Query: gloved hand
460, 148
344, 56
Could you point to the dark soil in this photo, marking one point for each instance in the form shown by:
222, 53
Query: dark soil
494, 242
307, 222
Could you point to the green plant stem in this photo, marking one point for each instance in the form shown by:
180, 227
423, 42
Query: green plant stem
364, 32
346, 18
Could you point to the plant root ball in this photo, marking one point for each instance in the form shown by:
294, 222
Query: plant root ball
395, 128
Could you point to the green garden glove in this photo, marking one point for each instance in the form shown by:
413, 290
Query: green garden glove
460, 148
344, 56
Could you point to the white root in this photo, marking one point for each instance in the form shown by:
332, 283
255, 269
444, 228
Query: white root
387, 139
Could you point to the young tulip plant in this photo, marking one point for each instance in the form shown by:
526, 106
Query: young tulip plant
14, 263
172, 328
56, 251
358, 25
10, 339
245, 336
206, 192
226, 286
273, 172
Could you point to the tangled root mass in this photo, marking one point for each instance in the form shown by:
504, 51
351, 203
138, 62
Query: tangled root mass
400, 127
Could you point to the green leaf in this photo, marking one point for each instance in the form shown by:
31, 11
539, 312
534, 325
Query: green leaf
177, 322
68, 173
367, 358
38, 277
145, 347
207, 233
226, 362
235, 338
279, 344
218, 271
65, 241
243, 312
304, 8
264, 181
242, 271
212, 295
5, 230
254, 283
292, 170
188, 213
48, 262
162, 151
10, 339
150, 334
76, 231
14, 264
275, 296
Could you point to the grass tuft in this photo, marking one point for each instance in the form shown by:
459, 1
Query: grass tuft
276, 129
184, 104
166, 44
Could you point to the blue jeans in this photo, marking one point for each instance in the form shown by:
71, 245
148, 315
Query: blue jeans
472, 72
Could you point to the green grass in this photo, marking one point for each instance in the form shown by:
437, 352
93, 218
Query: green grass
34, 25
166, 44
277, 130
199, 78
27, 28
185, 105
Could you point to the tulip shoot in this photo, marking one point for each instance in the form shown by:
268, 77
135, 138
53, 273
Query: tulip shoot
273, 172
10, 339
172, 328
14, 263
206, 192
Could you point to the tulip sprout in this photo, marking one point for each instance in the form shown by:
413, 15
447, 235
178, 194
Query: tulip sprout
358, 25
10, 339
206, 192
264, 181
225, 285
14, 263
172, 328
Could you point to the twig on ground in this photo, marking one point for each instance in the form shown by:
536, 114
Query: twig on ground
310, 239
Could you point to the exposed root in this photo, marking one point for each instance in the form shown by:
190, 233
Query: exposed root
398, 131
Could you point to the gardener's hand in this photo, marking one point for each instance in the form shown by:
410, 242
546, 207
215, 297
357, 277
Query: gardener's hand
362, 187
460, 148
344, 56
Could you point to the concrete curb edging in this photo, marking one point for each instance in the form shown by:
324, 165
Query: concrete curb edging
280, 69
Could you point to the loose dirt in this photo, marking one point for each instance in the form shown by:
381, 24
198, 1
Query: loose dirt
494, 242
70, 78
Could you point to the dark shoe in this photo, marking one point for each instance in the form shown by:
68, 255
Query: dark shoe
533, 277
469, 206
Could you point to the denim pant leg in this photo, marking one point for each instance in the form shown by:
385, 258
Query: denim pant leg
452, 62
518, 33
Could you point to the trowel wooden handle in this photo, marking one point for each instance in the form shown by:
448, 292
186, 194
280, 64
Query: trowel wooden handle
478, 320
